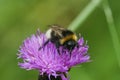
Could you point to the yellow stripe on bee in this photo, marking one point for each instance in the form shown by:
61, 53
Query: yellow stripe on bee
73, 37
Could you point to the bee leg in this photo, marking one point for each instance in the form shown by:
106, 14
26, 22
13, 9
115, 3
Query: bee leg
77, 45
57, 46
58, 50
43, 45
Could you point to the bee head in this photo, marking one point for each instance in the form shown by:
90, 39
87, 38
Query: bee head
70, 44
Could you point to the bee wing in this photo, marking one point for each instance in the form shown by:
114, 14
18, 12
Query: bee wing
58, 33
58, 30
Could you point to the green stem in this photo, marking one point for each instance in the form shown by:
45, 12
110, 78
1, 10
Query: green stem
84, 14
112, 29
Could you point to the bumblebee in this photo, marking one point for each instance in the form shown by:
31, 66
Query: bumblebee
61, 37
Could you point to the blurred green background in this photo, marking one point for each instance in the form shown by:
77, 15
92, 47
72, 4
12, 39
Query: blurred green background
21, 18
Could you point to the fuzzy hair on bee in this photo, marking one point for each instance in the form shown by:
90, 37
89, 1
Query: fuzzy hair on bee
61, 37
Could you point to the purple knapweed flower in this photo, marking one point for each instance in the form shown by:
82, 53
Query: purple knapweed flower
47, 60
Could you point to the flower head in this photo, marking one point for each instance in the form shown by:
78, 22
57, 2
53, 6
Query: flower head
47, 60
